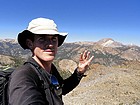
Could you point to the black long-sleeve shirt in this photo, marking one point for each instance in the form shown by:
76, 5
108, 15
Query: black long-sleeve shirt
25, 87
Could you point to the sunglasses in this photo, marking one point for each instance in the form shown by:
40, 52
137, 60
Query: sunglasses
55, 85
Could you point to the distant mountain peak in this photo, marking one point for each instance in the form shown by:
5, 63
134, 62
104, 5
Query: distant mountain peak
109, 42
106, 39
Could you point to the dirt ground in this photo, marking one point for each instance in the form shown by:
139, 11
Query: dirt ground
107, 86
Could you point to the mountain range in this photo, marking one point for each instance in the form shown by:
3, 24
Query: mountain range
113, 77
106, 51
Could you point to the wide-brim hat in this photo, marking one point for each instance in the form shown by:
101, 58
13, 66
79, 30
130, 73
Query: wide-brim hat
40, 26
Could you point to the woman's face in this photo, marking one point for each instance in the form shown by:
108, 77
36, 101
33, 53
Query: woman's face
45, 47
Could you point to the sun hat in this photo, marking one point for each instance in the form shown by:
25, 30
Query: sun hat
40, 26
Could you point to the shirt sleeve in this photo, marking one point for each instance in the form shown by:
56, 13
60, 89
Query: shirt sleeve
24, 89
70, 83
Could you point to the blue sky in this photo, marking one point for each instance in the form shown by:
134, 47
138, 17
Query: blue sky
84, 20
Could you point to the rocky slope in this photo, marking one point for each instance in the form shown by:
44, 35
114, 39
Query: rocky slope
107, 86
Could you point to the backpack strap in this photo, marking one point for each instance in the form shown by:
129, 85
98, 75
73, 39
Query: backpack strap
41, 77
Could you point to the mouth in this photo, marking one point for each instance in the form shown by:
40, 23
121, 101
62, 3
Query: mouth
49, 50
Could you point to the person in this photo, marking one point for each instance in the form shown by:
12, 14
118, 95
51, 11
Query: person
37, 81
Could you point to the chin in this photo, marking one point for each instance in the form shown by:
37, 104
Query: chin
49, 58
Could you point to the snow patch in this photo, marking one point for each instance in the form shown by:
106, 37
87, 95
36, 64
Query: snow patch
108, 43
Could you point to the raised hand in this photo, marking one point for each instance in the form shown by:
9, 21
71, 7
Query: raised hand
84, 61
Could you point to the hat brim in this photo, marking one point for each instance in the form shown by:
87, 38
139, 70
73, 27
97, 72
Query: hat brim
44, 31
26, 34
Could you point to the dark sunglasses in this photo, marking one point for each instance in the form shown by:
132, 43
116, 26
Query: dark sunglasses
55, 85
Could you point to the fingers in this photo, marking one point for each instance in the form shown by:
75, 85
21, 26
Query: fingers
89, 61
85, 61
86, 56
83, 55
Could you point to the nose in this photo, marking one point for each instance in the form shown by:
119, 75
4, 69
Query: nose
49, 43
50, 46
